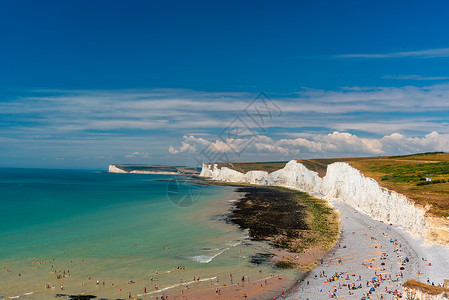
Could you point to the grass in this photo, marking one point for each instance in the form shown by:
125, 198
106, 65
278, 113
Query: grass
412, 173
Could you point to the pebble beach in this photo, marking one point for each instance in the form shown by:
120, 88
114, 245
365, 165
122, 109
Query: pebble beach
371, 260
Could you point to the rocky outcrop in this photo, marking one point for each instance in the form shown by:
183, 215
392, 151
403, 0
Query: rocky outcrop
348, 184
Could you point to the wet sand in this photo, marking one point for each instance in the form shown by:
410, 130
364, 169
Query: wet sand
261, 288
371, 256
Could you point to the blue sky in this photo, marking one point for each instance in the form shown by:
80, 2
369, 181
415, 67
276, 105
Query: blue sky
88, 83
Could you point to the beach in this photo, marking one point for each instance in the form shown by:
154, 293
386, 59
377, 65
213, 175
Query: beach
371, 256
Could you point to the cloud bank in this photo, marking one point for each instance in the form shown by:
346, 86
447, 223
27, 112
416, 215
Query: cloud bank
335, 143
175, 125
427, 53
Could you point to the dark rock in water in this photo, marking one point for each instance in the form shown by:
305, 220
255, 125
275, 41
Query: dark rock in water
76, 297
261, 258
220, 217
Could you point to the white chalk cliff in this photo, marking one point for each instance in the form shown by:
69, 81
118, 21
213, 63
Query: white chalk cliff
348, 184
114, 169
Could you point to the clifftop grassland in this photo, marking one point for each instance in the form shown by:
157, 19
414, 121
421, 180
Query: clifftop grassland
404, 174
407, 175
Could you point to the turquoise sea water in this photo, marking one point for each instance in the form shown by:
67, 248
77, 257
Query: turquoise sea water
113, 228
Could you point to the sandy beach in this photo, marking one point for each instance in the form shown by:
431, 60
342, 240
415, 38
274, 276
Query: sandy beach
371, 259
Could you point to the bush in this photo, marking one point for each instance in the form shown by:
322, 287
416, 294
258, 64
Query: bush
431, 182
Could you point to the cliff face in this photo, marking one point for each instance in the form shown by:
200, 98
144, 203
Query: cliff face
114, 169
415, 290
363, 193
348, 184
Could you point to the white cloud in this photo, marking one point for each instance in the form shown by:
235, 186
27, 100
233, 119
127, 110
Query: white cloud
415, 77
400, 143
311, 146
185, 147
138, 155
315, 122
427, 53
102, 112
335, 143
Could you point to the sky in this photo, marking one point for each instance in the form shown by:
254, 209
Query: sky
84, 84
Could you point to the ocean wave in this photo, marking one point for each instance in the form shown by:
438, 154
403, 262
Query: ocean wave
205, 259
17, 297
175, 285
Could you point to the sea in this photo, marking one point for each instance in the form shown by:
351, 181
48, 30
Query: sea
66, 232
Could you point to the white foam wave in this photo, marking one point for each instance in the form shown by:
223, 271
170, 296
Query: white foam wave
207, 259
175, 285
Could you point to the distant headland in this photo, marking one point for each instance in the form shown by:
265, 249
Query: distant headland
153, 169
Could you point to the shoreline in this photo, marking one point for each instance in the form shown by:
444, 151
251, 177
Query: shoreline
304, 260
413, 255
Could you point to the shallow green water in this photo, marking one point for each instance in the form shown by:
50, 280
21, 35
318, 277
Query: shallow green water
113, 228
